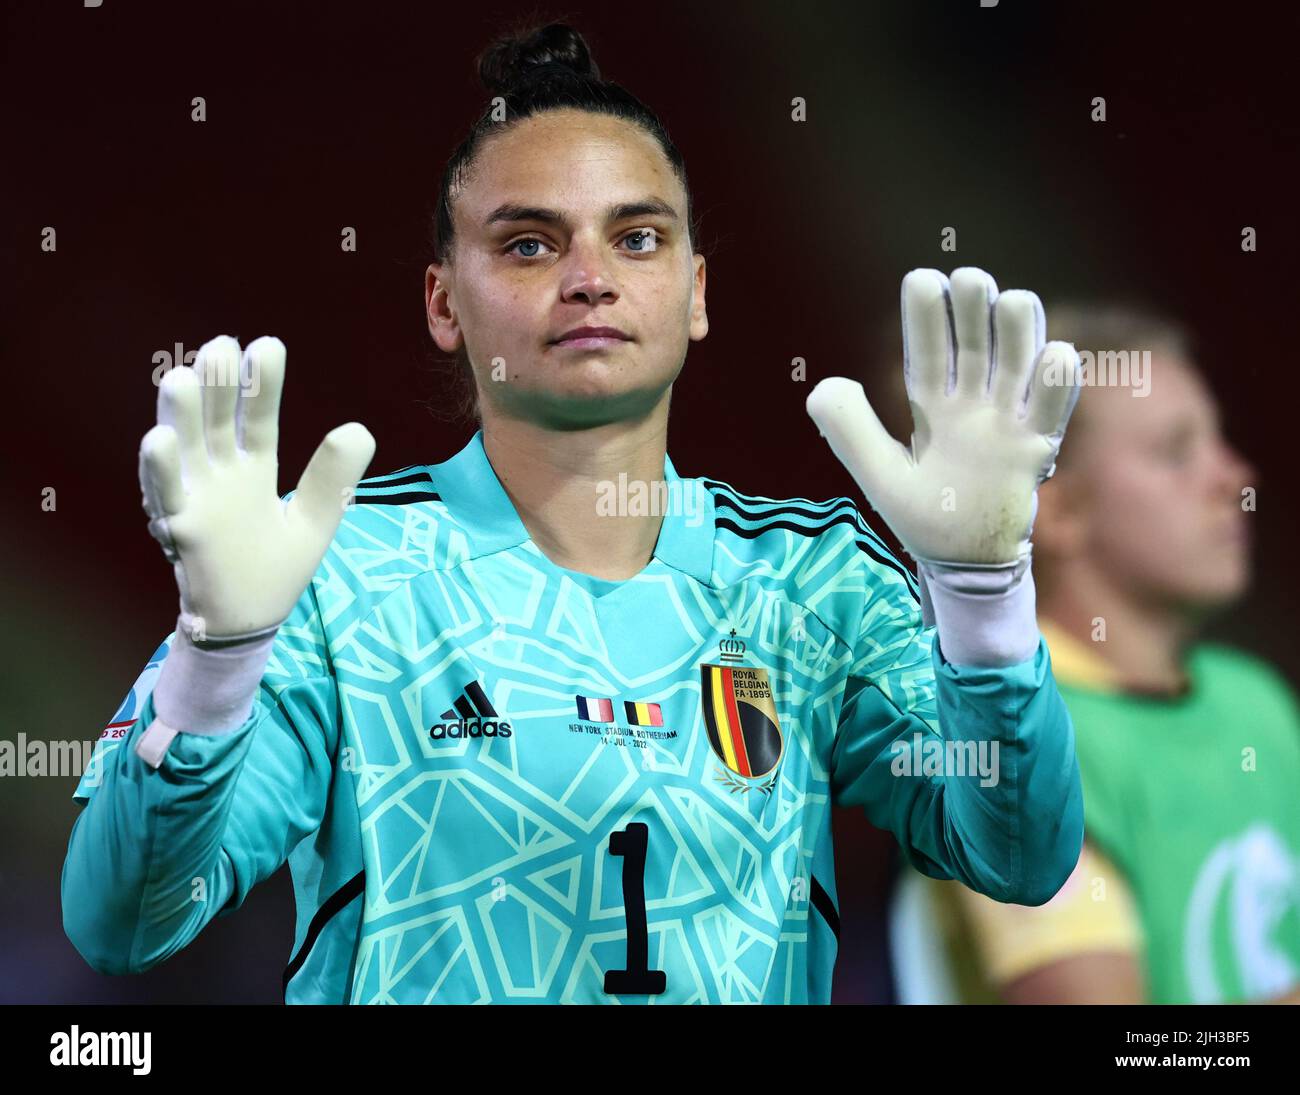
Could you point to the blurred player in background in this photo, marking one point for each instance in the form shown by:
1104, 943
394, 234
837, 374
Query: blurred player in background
1188, 889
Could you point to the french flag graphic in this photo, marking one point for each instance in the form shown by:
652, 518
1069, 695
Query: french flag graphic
595, 710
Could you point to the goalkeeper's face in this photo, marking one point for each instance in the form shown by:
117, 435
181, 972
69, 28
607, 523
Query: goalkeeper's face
1163, 504
570, 221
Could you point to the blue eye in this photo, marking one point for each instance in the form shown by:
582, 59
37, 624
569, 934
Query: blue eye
648, 237
520, 243
649, 234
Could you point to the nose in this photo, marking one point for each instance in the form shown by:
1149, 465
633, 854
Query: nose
1235, 471
587, 278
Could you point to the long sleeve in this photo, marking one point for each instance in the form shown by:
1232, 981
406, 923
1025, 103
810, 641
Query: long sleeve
973, 770
157, 853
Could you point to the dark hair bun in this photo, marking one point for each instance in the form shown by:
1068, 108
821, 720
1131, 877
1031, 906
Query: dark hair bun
552, 51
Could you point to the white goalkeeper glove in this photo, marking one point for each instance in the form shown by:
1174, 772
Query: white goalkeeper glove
242, 557
990, 402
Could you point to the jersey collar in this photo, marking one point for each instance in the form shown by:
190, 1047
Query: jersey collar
469, 487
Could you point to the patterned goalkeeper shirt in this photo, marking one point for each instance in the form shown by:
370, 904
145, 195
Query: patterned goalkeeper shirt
498, 780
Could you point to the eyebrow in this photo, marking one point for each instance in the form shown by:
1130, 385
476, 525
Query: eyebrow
647, 207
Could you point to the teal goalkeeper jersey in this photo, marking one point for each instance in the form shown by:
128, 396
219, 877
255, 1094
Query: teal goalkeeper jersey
497, 780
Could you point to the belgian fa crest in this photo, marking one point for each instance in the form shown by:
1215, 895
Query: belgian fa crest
740, 717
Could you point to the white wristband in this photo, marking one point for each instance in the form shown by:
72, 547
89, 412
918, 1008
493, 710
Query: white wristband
210, 690
985, 615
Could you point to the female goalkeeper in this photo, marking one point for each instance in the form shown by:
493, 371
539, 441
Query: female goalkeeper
547, 721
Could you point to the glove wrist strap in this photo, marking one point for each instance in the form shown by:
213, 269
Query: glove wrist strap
193, 629
985, 614
204, 690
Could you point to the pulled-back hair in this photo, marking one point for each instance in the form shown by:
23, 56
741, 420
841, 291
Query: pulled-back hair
1105, 326
526, 73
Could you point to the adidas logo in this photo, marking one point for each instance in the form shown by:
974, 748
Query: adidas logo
471, 716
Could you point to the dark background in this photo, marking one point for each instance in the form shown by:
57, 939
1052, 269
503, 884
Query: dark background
921, 115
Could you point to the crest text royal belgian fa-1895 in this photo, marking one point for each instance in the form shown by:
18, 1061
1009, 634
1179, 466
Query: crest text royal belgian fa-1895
741, 720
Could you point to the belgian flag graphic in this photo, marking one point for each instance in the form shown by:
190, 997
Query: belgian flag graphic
643, 714
741, 718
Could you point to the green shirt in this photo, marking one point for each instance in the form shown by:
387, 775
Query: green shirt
1197, 800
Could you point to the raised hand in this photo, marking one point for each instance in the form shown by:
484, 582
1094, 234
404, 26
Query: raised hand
990, 402
242, 556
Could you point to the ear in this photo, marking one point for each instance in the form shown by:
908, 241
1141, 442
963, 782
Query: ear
1059, 526
699, 317
438, 310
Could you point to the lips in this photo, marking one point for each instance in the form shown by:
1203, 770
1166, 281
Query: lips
591, 337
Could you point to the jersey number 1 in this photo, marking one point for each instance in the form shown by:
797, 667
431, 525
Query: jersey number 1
636, 980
